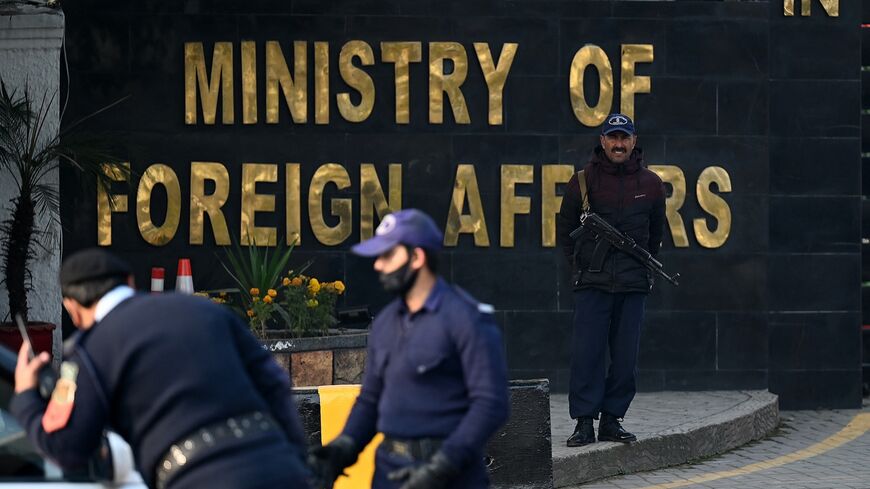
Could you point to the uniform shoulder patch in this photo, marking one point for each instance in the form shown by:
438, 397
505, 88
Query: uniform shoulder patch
60, 407
480, 306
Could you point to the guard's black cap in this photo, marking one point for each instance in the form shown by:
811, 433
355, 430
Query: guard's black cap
90, 264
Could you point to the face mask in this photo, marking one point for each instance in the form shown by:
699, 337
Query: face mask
399, 281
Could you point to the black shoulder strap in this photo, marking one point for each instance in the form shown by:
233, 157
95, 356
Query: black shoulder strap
581, 181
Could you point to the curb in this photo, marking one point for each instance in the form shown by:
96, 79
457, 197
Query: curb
752, 419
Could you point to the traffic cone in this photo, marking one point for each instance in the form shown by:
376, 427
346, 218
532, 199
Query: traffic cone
184, 279
157, 274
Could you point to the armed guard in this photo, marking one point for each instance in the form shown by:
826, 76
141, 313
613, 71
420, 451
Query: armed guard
610, 284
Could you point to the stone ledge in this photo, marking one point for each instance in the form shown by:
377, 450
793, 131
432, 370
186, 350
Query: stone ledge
31, 28
690, 438
357, 340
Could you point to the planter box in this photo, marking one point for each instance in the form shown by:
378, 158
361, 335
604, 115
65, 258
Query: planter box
323, 360
41, 335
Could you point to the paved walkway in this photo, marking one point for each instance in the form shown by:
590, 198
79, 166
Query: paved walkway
672, 428
811, 449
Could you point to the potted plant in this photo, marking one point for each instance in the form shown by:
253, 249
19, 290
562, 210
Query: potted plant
29, 152
276, 301
293, 315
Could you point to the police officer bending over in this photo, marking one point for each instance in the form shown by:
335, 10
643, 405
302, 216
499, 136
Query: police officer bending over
435, 382
181, 379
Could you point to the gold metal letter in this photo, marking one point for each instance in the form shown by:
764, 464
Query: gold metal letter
321, 83
341, 208
221, 79
832, 7
511, 204
715, 206
631, 83
474, 221
293, 202
495, 76
249, 82
551, 175
372, 198
108, 203
439, 83
358, 79
591, 54
674, 176
402, 53
158, 174
295, 88
201, 204
252, 202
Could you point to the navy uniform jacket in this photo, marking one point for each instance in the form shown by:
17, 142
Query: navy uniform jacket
162, 366
438, 373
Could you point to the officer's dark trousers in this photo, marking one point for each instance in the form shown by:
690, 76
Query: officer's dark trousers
603, 320
473, 477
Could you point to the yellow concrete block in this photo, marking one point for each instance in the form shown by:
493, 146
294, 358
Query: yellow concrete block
336, 402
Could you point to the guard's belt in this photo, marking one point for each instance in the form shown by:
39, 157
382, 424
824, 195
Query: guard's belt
214, 436
419, 449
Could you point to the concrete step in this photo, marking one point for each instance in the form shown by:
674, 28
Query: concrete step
672, 428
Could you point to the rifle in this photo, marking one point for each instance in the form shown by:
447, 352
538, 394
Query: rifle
610, 236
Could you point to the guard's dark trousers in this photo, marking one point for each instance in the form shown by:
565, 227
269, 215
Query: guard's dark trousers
602, 319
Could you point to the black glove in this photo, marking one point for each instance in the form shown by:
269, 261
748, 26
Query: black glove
434, 474
328, 462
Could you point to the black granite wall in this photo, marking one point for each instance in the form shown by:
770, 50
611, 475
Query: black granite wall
773, 100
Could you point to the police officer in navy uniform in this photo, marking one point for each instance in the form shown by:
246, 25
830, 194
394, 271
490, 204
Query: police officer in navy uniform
435, 381
201, 403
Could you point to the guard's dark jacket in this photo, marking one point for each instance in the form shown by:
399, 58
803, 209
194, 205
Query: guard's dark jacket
437, 373
631, 198
163, 366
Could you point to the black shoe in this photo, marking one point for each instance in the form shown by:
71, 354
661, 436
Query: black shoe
609, 429
584, 433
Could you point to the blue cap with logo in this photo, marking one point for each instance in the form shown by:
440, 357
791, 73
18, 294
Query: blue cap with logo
618, 122
408, 227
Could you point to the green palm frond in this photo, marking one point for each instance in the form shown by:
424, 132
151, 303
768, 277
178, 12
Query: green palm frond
30, 151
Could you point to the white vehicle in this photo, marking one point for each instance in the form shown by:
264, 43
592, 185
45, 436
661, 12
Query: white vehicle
21, 466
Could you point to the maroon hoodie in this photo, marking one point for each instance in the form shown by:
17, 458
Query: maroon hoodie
632, 199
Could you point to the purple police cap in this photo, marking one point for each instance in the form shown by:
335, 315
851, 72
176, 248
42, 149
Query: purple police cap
409, 227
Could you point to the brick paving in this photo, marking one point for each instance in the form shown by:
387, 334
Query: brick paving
846, 466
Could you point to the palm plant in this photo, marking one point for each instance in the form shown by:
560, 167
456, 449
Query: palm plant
256, 271
30, 153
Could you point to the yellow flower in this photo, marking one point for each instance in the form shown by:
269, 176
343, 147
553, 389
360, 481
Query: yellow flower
339, 286
201, 294
223, 295
312, 303
250, 313
296, 282
285, 282
255, 291
272, 292
256, 299
267, 299
313, 286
